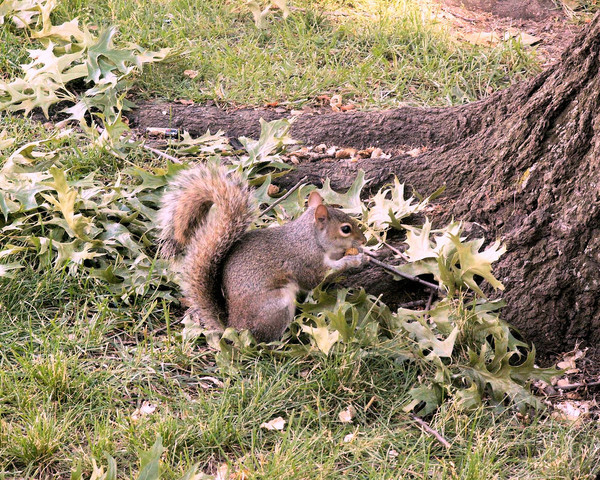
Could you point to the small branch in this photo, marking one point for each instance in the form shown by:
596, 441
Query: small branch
162, 154
575, 386
429, 300
281, 199
415, 303
336, 13
396, 251
311, 156
395, 271
466, 19
426, 428
368, 405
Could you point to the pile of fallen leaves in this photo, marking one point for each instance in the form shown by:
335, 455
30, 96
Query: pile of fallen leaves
73, 54
573, 394
106, 233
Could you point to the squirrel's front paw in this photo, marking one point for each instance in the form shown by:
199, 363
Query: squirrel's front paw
353, 261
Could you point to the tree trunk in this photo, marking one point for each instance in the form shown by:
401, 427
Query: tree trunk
523, 163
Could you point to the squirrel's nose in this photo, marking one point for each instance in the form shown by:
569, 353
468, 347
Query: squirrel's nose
361, 241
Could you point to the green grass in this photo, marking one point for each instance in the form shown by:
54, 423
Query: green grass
74, 367
379, 53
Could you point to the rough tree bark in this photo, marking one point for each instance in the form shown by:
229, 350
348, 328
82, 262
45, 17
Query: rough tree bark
523, 163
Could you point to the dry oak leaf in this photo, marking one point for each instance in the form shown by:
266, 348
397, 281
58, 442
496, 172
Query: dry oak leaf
222, 472
190, 73
377, 153
147, 408
336, 102
415, 152
324, 99
366, 153
275, 424
524, 38
345, 153
483, 38
347, 415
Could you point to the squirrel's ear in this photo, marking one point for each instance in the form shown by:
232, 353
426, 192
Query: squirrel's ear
321, 214
314, 199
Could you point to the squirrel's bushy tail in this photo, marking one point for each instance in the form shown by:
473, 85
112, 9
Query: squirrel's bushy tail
189, 227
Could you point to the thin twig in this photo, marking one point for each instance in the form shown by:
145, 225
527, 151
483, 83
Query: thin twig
429, 300
336, 13
281, 199
396, 251
162, 154
100, 130
414, 303
575, 386
466, 19
430, 430
395, 271
311, 156
368, 405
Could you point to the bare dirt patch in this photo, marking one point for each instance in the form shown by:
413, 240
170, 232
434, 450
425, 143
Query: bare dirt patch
539, 18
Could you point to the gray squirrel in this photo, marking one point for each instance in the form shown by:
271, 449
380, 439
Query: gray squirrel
233, 277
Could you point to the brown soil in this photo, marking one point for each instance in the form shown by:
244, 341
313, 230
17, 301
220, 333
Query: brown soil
540, 18
517, 9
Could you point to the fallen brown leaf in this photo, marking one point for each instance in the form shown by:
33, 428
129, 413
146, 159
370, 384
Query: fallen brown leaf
191, 73
147, 408
336, 102
377, 153
366, 153
482, 38
345, 153
275, 424
347, 415
415, 152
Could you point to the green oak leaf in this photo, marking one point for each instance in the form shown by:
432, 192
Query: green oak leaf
7, 270
323, 337
387, 212
350, 201
103, 58
473, 262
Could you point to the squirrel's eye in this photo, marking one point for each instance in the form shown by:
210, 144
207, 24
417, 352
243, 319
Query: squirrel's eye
346, 229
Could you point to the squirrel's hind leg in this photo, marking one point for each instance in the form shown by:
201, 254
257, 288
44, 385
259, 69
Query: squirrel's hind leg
272, 313
195, 314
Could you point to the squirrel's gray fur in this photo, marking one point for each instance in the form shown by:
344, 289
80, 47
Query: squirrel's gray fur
247, 279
